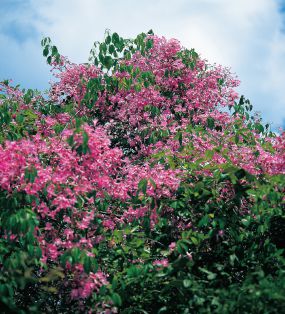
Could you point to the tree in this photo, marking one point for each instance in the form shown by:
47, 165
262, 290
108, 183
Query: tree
130, 188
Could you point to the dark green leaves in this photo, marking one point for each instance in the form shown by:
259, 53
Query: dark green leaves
107, 54
115, 297
54, 51
94, 87
188, 57
31, 174
143, 185
115, 39
28, 96
112, 49
210, 275
50, 51
84, 143
210, 123
155, 111
108, 40
46, 51
108, 62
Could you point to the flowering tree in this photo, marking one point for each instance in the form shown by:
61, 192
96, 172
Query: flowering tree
129, 188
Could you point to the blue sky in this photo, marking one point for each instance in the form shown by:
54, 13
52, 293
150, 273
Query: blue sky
246, 35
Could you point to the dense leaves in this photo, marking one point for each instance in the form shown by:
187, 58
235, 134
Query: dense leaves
141, 183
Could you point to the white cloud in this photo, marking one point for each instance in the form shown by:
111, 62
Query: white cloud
244, 35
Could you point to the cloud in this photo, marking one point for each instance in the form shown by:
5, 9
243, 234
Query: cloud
244, 35
17, 20
18, 31
20, 55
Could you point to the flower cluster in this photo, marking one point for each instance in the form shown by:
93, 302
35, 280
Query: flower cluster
112, 156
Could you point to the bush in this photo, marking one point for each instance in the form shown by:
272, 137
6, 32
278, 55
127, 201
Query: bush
129, 188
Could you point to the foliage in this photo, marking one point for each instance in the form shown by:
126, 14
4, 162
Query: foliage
129, 188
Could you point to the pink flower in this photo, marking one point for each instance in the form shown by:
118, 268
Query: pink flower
172, 246
109, 224
163, 262
189, 255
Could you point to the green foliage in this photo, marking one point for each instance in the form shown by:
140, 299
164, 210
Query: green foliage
238, 270
50, 51
20, 254
114, 48
206, 253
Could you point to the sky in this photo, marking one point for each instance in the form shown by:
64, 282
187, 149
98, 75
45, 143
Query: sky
247, 36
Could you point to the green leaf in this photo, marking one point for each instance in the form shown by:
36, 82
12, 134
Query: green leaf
187, 283
220, 81
152, 183
108, 62
85, 143
180, 138
103, 48
259, 127
241, 173
149, 44
30, 174
87, 264
194, 240
204, 221
58, 128
70, 140
108, 40
54, 51
142, 185
115, 39
116, 299
209, 154
174, 204
46, 51
236, 138
111, 49
210, 275
210, 123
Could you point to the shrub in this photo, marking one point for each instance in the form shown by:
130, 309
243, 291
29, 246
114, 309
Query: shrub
129, 188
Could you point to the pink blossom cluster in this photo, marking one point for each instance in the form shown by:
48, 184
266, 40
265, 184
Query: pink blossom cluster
63, 176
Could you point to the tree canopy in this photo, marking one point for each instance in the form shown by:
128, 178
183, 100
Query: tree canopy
139, 183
